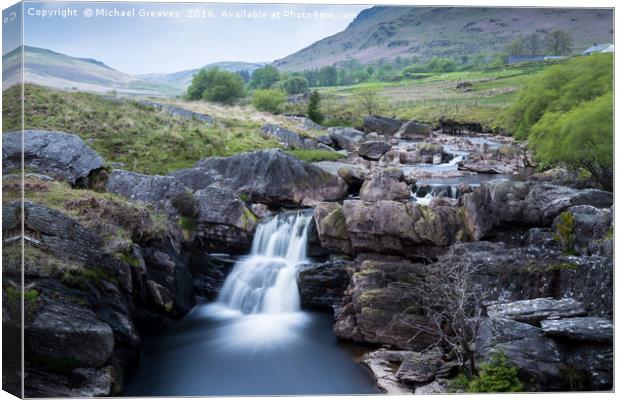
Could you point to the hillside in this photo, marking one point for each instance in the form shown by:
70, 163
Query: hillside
60, 71
387, 32
183, 79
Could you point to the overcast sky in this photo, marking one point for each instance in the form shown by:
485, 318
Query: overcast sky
147, 44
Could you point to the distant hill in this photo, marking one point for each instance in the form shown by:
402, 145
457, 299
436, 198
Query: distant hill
60, 71
183, 79
387, 32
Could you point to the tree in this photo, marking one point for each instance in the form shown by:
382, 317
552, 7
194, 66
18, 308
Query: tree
451, 302
328, 76
369, 100
559, 43
295, 85
270, 100
566, 114
314, 105
516, 46
532, 44
245, 75
216, 85
265, 77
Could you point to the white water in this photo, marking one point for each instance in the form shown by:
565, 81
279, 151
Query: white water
260, 297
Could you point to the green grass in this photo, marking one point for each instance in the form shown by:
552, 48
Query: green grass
315, 155
143, 139
434, 95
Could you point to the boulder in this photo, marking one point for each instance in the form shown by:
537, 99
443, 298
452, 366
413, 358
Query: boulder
325, 140
345, 138
323, 285
274, 178
500, 202
537, 358
331, 227
209, 271
591, 227
60, 331
373, 150
535, 310
413, 130
223, 222
285, 137
420, 367
382, 125
589, 329
58, 154
487, 166
158, 190
381, 309
305, 123
596, 361
388, 185
381, 363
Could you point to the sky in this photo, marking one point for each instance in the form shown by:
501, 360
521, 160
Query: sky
163, 38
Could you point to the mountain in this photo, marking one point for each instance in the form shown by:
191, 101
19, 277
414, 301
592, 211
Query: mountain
48, 68
183, 79
387, 32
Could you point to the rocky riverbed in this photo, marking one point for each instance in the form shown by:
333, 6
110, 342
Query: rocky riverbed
112, 255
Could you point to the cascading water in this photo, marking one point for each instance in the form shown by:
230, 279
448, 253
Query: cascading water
265, 281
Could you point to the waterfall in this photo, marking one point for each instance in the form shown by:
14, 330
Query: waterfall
265, 281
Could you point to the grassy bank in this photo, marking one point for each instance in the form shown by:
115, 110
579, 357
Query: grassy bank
143, 139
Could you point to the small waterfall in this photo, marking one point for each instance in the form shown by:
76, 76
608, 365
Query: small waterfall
265, 281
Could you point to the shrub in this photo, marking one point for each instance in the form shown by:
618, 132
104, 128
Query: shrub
565, 231
495, 376
295, 85
185, 204
315, 155
270, 100
314, 107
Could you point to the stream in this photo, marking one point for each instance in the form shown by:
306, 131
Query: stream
255, 339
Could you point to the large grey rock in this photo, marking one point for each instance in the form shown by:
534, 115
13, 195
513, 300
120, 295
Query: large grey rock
58, 154
596, 360
273, 177
420, 367
591, 329
592, 227
154, 189
500, 202
64, 331
388, 185
537, 358
373, 150
223, 222
323, 285
382, 125
412, 130
285, 137
536, 310
345, 138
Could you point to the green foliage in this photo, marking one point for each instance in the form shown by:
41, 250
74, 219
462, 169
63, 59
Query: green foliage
295, 85
495, 376
559, 43
315, 155
565, 231
264, 78
216, 85
270, 100
566, 113
314, 107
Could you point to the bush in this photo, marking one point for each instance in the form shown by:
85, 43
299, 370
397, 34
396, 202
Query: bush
295, 85
216, 85
566, 113
565, 231
494, 377
185, 204
314, 107
315, 155
270, 100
